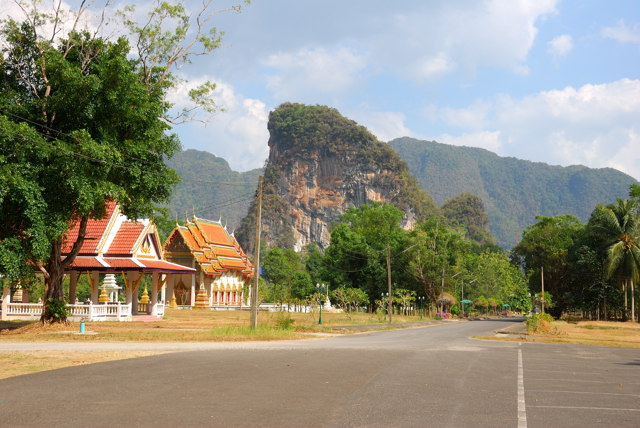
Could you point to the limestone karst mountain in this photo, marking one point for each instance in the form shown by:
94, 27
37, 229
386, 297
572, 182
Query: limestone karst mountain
320, 164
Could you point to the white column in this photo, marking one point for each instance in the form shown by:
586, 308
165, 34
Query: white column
163, 292
193, 290
154, 293
6, 299
95, 287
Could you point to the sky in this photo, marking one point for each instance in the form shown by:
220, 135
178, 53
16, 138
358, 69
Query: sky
543, 80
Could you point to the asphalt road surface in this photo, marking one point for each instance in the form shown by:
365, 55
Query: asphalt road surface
422, 377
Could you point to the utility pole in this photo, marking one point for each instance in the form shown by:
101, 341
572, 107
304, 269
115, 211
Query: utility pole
256, 264
389, 281
542, 283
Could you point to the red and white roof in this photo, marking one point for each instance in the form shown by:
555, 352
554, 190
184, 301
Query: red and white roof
115, 244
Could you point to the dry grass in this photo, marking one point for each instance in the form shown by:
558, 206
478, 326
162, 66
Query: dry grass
189, 326
20, 363
606, 333
598, 333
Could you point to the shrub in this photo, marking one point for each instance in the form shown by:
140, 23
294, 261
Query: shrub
285, 322
539, 323
56, 310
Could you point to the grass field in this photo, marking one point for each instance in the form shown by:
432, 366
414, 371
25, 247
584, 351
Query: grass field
194, 325
603, 333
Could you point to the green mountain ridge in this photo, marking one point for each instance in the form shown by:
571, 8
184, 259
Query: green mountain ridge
211, 189
514, 191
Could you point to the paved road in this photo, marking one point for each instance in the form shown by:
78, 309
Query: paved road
433, 376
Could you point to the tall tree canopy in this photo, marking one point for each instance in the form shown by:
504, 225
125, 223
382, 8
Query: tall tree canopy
82, 121
356, 256
547, 245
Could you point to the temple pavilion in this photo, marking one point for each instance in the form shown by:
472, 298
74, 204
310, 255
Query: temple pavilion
222, 267
112, 246
115, 244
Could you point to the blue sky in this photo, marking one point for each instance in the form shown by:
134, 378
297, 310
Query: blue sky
544, 80
548, 81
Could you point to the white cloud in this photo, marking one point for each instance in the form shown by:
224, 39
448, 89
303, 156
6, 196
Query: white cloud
309, 71
623, 33
238, 133
593, 125
384, 125
438, 39
560, 46
332, 47
489, 140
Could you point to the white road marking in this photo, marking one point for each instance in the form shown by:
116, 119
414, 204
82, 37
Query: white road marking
522, 408
587, 408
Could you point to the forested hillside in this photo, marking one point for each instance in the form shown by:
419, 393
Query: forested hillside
210, 189
514, 191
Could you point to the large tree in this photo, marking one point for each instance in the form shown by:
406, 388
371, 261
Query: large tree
619, 228
431, 255
357, 254
83, 120
545, 246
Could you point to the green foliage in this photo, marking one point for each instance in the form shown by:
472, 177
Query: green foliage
356, 257
539, 323
514, 191
55, 311
82, 122
492, 274
349, 299
284, 321
467, 211
548, 244
431, 247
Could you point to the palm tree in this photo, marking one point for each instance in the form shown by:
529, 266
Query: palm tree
620, 225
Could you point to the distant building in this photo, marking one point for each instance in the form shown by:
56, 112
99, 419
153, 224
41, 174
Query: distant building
223, 269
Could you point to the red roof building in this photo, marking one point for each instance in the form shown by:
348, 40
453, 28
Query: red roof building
222, 267
115, 244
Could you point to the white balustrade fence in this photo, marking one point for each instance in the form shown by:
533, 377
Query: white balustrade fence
77, 312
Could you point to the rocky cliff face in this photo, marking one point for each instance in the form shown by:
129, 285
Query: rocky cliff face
321, 164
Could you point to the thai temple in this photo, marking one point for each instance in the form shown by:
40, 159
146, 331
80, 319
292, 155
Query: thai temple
112, 246
223, 270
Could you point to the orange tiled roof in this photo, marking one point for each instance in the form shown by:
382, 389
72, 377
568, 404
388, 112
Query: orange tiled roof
213, 247
93, 235
126, 238
109, 245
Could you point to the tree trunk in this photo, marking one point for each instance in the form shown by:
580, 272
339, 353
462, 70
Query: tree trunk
53, 290
624, 292
54, 275
633, 301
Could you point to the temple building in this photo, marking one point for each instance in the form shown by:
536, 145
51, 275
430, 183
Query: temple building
223, 270
115, 244
112, 246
